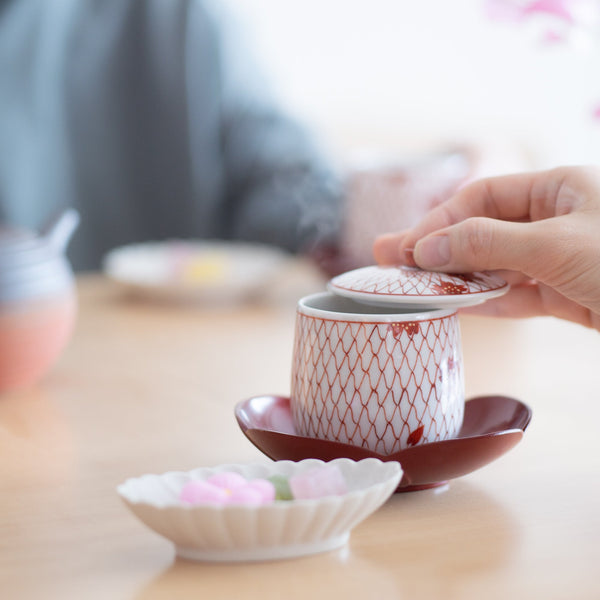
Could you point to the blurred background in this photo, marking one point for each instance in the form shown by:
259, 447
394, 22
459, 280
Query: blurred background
519, 79
149, 118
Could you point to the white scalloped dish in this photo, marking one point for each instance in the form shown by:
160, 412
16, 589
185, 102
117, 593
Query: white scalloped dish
282, 529
195, 270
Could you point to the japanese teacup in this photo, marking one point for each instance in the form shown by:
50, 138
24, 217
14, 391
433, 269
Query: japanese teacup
382, 378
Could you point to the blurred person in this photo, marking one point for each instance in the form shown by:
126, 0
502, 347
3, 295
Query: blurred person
539, 229
151, 118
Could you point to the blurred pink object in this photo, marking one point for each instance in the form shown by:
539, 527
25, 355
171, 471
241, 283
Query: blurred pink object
596, 112
37, 301
563, 21
318, 483
554, 37
513, 10
556, 8
503, 10
389, 194
573, 14
31, 339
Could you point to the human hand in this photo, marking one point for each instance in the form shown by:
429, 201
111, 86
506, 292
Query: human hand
541, 231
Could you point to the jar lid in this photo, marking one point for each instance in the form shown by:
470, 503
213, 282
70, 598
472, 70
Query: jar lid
410, 287
21, 248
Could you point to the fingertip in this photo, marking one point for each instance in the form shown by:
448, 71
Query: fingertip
409, 257
387, 249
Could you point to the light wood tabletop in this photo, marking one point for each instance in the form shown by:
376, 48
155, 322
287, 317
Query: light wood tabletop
147, 388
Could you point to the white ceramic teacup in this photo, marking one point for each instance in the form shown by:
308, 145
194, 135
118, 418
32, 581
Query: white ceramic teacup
383, 378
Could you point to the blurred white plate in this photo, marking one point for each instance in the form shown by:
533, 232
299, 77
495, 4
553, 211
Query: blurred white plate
282, 529
188, 270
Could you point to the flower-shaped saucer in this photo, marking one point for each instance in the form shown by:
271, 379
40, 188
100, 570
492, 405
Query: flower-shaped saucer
492, 426
244, 532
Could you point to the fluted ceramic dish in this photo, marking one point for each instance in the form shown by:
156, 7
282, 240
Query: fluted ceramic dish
282, 529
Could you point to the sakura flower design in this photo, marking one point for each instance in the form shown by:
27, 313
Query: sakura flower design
448, 287
410, 328
415, 436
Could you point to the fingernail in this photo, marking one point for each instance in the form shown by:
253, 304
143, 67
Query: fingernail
409, 257
433, 252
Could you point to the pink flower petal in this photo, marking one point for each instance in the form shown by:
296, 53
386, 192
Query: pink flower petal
227, 480
203, 492
317, 483
553, 37
556, 8
503, 10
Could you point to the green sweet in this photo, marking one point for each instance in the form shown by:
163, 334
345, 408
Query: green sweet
282, 487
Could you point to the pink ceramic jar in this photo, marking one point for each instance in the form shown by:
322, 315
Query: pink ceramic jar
37, 301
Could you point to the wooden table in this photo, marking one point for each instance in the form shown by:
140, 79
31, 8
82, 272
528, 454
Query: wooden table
148, 388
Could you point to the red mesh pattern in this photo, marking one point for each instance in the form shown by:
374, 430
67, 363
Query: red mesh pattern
383, 386
406, 281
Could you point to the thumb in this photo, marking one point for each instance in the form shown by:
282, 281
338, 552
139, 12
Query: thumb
480, 243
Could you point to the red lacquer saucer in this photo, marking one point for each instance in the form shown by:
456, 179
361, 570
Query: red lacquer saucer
492, 426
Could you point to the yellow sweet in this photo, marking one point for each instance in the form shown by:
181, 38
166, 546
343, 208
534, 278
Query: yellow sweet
204, 269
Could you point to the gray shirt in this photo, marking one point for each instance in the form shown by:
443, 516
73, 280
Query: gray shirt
151, 118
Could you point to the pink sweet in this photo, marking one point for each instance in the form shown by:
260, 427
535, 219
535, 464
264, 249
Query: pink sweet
228, 487
326, 480
227, 480
203, 492
264, 488
253, 494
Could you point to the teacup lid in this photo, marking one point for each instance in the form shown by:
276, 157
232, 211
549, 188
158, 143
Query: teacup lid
411, 287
